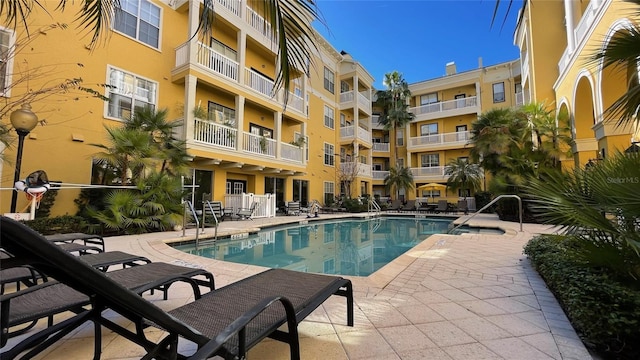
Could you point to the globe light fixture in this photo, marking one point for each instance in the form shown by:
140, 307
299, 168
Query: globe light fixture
23, 120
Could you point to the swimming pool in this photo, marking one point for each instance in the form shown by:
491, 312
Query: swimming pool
355, 247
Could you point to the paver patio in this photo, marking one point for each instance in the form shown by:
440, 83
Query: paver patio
451, 297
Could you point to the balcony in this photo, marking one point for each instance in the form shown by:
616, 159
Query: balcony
379, 174
292, 152
381, 147
356, 169
262, 26
214, 134
581, 31
350, 132
260, 145
422, 174
445, 108
375, 123
295, 102
347, 100
258, 82
438, 141
234, 6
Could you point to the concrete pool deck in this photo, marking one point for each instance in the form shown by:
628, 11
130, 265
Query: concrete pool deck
472, 296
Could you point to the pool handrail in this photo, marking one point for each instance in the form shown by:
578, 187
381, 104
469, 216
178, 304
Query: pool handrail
489, 204
376, 208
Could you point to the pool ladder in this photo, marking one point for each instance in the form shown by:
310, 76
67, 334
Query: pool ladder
487, 206
189, 209
374, 207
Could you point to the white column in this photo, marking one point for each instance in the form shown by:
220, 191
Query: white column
239, 122
194, 21
190, 88
277, 120
242, 55
568, 17
303, 129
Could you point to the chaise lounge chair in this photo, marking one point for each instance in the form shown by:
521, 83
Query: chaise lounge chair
226, 322
396, 205
293, 208
246, 214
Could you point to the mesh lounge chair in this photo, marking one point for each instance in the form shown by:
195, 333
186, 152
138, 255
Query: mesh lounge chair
396, 205
225, 322
463, 206
443, 206
244, 214
89, 240
293, 208
410, 206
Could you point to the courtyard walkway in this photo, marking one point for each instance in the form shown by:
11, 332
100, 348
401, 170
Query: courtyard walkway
451, 297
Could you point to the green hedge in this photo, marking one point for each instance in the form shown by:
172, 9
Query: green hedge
59, 224
604, 309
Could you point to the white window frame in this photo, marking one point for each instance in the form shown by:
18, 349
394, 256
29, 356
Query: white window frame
127, 91
221, 114
329, 80
426, 160
329, 154
427, 129
223, 49
427, 99
497, 98
124, 4
400, 137
328, 187
329, 117
7, 53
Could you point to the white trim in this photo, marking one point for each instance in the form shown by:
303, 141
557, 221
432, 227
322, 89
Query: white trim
159, 48
11, 52
136, 76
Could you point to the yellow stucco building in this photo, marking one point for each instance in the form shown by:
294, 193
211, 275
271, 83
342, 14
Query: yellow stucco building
557, 40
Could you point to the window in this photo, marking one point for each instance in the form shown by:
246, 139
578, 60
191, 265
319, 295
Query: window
428, 99
400, 163
400, 138
344, 86
224, 49
328, 117
328, 154
261, 130
128, 93
343, 120
429, 129
6, 54
221, 114
328, 80
329, 192
462, 134
329, 266
464, 192
498, 92
430, 160
140, 20
518, 88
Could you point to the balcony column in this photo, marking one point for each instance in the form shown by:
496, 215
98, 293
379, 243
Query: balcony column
277, 120
478, 97
303, 129
570, 26
242, 55
239, 122
194, 21
190, 87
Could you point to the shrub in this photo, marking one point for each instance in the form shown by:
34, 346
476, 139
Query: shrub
59, 224
602, 306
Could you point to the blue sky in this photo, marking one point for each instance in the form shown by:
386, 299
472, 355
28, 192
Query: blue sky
417, 38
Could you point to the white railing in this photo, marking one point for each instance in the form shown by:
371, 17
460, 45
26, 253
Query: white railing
258, 82
265, 207
364, 134
356, 168
363, 100
182, 54
379, 174
383, 147
296, 102
259, 23
375, 122
583, 25
432, 171
214, 134
346, 97
257, 144
445, 106
460, 137
217, 62
292, 152
348, 132
231, 5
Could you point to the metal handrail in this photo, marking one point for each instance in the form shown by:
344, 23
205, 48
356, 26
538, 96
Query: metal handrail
489, 204
207, 203
189, 206
373, 204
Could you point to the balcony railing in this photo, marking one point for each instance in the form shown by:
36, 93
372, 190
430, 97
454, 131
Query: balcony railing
379, 174
454, 138
382, 147
214, 134
346, 97
425, 172
257, 144
364, 134
292, 152
363, 101
217, 62
349, 132
445, 106
258, 82
259, 23
296, 102
232, 5
356, 168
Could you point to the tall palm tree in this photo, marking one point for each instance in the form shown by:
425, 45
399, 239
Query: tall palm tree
463, 175
393, 101
399, 179
290, 20
493, 135
129, 150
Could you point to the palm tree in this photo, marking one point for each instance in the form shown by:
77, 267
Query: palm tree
394, 104
493, 135
622, 53
290, 20
129, 151
399, 179
463, 175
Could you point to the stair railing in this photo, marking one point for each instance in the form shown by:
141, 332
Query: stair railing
487, 206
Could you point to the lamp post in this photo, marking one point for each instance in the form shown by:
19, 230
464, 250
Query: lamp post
23, 120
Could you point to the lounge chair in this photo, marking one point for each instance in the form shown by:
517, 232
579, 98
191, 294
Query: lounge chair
463, 206
293, 208
90, 240
225, 322
396, 205
20, 275
246, 214
443, 206
410, 206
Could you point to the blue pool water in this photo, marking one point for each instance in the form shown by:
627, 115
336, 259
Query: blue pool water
356, 247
